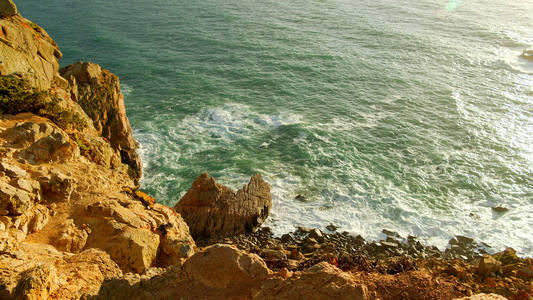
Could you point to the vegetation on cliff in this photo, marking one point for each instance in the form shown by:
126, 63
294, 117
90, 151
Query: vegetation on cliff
17, 96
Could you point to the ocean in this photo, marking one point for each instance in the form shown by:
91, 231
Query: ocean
412, 116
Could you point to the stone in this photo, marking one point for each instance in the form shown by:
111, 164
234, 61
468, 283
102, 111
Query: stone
240, 269
212, 209
39, 217
12, 170
70, 238
13, 201
218, 272
137, 237
500, 209
527, 54
321, 282
97, 91
391, 233
287, 238
37, 283
483, 296
26, 49
317, 235
273, 254
57, 186
55, 147
488, 265
7, 8
331, 227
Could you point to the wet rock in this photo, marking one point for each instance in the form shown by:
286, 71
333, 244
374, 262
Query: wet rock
212, 209
287, 238
391, 233
488, 265
303, 229
300, 198
331, 227
527, 54
500, 209
317, 235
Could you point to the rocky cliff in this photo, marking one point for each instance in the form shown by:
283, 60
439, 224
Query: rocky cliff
73, 224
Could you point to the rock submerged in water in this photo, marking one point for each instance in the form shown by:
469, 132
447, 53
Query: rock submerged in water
212, 209
527, 54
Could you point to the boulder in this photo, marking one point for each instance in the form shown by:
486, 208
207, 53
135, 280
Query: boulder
137, 237
49, 274
37, 283
98, 92
218, 272
7, 8
212, 209
322, 281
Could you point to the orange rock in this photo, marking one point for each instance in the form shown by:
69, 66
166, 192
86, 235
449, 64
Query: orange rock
211, 209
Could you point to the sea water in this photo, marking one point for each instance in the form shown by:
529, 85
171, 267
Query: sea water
415, 116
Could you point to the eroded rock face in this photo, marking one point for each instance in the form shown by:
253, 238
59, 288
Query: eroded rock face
26, 49
322, 281
70, 238
98, 92
134, 236
58, 275
212, 209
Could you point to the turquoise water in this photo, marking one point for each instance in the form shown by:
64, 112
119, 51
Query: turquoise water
415, 116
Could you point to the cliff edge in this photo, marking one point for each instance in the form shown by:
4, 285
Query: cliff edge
74, 225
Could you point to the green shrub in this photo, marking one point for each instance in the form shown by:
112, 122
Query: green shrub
17, 96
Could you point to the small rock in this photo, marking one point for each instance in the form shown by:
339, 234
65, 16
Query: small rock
488, 265
300, 198
317, 235
287, 238
303, 229
331, 227
391, 233
12, 171
274, 254
500, 209
526, 272
527, 54
285, 273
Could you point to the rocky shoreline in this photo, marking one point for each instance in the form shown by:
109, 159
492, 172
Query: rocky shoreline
74, 225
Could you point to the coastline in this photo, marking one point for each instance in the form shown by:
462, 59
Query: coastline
73, 224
